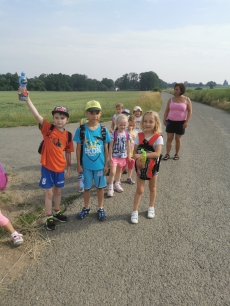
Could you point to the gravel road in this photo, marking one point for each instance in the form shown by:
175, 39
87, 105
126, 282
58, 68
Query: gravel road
181, 257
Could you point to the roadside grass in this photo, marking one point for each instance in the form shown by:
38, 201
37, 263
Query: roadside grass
218, 97
29, 223
16, 113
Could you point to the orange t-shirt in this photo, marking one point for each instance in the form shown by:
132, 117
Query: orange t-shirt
53, 157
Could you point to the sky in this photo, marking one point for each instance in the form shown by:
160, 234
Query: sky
180, 40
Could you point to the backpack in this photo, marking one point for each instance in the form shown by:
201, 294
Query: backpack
3, 178
41, 146
82, 137
151, 164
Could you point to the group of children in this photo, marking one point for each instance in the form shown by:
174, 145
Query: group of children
97, 150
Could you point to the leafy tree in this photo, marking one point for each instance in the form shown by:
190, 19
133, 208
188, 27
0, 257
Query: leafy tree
148, 80
107, 82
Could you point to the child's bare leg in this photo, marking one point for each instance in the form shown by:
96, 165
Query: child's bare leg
86, 196
139, 191
100, 197
48, 201
118, 174
9, 228
57, 198
112, 174
153, 190
129, 173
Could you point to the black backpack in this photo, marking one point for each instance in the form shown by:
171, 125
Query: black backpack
41, 146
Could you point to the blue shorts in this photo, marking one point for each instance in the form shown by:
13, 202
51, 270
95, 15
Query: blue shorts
50, 178
94, 175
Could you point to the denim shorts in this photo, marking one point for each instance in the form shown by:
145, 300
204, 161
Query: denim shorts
50, 178
94, 175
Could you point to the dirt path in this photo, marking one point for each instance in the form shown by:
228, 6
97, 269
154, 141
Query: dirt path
181, 257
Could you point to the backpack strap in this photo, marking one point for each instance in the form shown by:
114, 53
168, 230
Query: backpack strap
103, 133
82, 133
82, 138
141, 137
69, 139
50, 129
153, 139
116, 133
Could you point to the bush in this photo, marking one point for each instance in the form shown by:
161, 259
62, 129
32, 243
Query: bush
156, 89
198, 88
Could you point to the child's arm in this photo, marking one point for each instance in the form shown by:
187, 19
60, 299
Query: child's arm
78, 157
129, 150
111, 150
34, 111
155, 154
68, 161
106, 158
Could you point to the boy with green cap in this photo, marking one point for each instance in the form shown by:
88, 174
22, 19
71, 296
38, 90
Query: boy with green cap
92, 157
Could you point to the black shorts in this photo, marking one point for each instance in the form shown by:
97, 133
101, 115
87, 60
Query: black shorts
175, 127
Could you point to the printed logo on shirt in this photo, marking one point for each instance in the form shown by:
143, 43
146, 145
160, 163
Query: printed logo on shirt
92, 148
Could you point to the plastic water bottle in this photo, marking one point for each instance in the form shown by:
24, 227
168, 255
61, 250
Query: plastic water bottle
80, 183
22, 92
143, 158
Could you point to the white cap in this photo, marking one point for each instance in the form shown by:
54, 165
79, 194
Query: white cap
137, 108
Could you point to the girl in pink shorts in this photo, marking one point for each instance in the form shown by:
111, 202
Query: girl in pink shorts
119, 150
132, 122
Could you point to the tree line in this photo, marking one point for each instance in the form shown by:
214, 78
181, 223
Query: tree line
80, 82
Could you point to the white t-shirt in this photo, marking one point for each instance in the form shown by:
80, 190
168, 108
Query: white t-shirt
138, 129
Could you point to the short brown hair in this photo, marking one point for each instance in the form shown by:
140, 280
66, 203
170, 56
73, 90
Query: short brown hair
132, 118
181, 86
120, 105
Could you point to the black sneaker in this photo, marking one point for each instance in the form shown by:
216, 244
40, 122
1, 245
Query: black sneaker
50, 225
59, 216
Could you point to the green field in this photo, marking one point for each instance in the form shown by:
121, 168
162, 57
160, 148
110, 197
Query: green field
16, 113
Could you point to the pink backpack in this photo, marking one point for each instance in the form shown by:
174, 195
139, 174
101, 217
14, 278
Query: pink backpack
3, 178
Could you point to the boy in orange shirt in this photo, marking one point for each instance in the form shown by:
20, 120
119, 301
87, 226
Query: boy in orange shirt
53, 160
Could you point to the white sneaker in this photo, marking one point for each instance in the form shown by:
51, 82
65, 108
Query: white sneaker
110, 192
118, 187
151, 212
134, 217
17, 239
